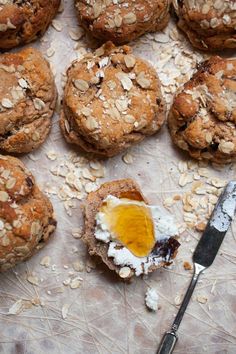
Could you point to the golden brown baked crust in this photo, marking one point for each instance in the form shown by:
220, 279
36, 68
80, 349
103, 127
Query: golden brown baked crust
26, 214
122, 21
209, 25
202, 119
111, 100
27, 100
23, 21
124, 188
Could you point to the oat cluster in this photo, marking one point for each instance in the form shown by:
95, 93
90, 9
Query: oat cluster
77, 176
200, 190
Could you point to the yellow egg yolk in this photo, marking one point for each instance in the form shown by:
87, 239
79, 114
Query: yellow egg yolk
132, 225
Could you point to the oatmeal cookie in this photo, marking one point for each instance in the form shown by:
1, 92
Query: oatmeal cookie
122, 21
26, 214
112, 100
27, 100
23, 21
125, 188
209, 25
202, 119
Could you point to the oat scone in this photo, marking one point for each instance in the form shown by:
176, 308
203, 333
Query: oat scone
26, 214
112, 100
114, 254
209, 25
23, 21
202, 119
27, 100
122, 21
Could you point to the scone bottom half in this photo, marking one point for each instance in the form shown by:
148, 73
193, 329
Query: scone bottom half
130, 237
26, 214
202, 119
121, 22
112, 100
28, 97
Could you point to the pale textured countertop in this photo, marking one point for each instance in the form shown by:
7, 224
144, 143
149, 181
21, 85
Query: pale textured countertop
103, 315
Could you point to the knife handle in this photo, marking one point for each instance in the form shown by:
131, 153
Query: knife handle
168, 343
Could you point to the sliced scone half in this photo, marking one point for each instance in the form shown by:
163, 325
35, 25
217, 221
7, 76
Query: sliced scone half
130, 236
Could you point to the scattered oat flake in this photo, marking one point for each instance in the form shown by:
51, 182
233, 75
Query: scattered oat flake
76, 283
202, 299
168, 202
50, 52
67, 281
76, 33
57, 25
16, 308
182, 166
78, 266
76, 233
178, 300
87, 174
51, 155
45, 261
128, 158
217, 182
32, 279
90, 187
64, 311
185, 178
33, 157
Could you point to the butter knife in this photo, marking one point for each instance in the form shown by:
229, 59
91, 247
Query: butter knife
204, 255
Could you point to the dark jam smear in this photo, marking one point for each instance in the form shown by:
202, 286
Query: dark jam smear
166, 249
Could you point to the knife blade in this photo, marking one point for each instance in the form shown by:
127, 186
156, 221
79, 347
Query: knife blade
217, 227
204, 255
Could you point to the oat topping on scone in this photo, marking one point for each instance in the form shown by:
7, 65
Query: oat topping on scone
209, 25
122, 21
26, 214
27, 100
202, 119
112, 99
22, 21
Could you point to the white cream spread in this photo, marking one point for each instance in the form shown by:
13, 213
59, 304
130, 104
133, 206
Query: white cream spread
164, 228
151, 299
